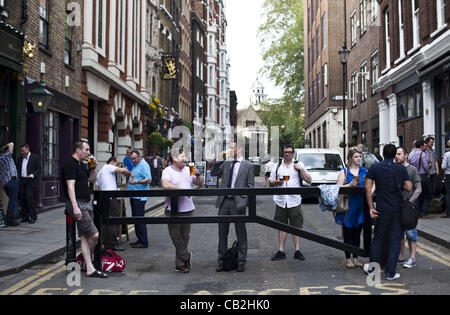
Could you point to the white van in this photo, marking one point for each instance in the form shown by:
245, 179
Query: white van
322, 164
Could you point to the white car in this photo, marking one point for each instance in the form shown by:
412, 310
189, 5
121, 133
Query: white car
322, 164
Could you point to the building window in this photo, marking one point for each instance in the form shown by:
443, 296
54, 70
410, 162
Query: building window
415, 18
409, 104
325, 80
363, 14
250, 124
50, 144
324, 31
136, 38
121, 33
364, 77
387, 39
440, 6
375, 68
354, 89
401, 29
43, 23
68, 45
353, 27
374, 10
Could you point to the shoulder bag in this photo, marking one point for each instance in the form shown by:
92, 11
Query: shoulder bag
408, 212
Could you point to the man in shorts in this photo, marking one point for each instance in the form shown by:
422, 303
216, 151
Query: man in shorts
76, 178
288, 207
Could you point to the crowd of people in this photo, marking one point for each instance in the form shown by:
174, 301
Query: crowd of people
400, 173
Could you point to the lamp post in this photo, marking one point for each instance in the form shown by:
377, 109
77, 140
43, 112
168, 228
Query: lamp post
343, 55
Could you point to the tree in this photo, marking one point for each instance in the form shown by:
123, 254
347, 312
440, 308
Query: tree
281, 36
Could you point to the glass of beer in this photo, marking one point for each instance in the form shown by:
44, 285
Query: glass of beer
91, 161
356, 178
192, 168
286, 178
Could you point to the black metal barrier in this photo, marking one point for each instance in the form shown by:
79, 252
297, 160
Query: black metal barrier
102, 201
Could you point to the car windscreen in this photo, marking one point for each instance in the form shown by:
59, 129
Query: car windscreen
321, 161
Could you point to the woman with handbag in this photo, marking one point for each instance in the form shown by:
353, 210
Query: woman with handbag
352, 221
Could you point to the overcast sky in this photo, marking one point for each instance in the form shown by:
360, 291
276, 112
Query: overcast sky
244, 51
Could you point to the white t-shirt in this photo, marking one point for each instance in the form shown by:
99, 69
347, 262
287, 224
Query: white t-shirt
289, 201
106, 178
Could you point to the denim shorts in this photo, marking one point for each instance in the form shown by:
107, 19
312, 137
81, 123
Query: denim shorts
412, 235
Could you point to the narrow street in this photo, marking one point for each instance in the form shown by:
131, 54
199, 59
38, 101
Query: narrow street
151, 271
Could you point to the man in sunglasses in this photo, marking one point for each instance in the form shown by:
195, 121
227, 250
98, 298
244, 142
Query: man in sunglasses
288, 173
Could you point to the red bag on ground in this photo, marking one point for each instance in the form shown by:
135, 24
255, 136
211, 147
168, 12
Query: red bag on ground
111, 262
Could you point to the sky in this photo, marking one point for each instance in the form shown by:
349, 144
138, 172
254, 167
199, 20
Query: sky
244, 51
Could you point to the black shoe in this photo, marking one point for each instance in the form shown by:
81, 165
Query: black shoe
118, 248
241, 267
139, 245
279, 256
298, 255
219, 268
25, 220
32, 221
182, 269
14, 222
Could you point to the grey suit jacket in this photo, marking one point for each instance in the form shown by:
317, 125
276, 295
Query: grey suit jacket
245, 179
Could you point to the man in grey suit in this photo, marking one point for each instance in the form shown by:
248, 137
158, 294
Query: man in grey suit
235, 174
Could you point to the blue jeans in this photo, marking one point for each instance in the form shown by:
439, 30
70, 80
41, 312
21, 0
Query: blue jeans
138, 210
387, 225
12, 191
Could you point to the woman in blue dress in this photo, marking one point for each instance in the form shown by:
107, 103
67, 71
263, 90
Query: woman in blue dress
353, 220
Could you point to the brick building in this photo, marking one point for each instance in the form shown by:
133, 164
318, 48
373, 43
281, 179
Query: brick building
362, 71
415, 68
49, 132
323, 38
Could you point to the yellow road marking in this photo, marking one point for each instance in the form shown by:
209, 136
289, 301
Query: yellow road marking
433, 257
39, 281
434, 251
30, 279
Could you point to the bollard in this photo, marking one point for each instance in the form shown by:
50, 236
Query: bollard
71, 245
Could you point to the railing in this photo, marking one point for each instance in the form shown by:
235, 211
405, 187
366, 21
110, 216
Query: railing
102, 217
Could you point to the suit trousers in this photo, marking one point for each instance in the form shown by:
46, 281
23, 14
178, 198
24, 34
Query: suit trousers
111, 232
26, 198
425, 196
228, 207
180, 234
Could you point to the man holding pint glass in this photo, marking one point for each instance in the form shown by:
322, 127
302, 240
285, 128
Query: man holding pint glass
178, 176
288, 207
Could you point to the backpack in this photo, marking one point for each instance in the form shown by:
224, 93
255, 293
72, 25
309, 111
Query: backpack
111, 262
230, 259
300, 177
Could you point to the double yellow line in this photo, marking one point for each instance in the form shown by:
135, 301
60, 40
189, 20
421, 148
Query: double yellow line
25, 286
433, 254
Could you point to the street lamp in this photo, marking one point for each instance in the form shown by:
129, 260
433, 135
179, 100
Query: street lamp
223, 137
41, 97
343, 56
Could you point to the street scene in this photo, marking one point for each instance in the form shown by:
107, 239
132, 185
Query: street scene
224, 147
151, 271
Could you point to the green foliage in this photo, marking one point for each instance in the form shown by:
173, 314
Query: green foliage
157, 141
281, 36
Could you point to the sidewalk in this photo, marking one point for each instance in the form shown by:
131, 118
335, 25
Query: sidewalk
26, 245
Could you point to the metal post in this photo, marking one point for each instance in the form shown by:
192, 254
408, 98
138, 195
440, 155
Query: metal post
174, 206
71, 245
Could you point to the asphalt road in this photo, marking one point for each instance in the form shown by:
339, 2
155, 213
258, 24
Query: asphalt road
151, 271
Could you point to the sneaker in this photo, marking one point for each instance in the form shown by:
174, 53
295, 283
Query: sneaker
410, 264
298, 255
395, 277
182, 269
279, 256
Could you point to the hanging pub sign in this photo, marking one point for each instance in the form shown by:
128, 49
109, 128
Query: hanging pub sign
169, 68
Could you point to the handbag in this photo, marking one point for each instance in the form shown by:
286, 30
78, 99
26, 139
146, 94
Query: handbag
408, 212
343, 203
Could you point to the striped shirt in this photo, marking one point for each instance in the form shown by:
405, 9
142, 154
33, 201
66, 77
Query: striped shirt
8, 169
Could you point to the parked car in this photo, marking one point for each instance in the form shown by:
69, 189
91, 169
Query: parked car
322, 164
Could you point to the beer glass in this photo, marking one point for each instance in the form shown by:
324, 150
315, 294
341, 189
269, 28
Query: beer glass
192, 168
91, 161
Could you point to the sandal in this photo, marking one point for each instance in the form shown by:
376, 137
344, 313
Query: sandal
98, 274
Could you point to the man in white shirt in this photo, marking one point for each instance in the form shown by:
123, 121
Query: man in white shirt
288, 207
106, 181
